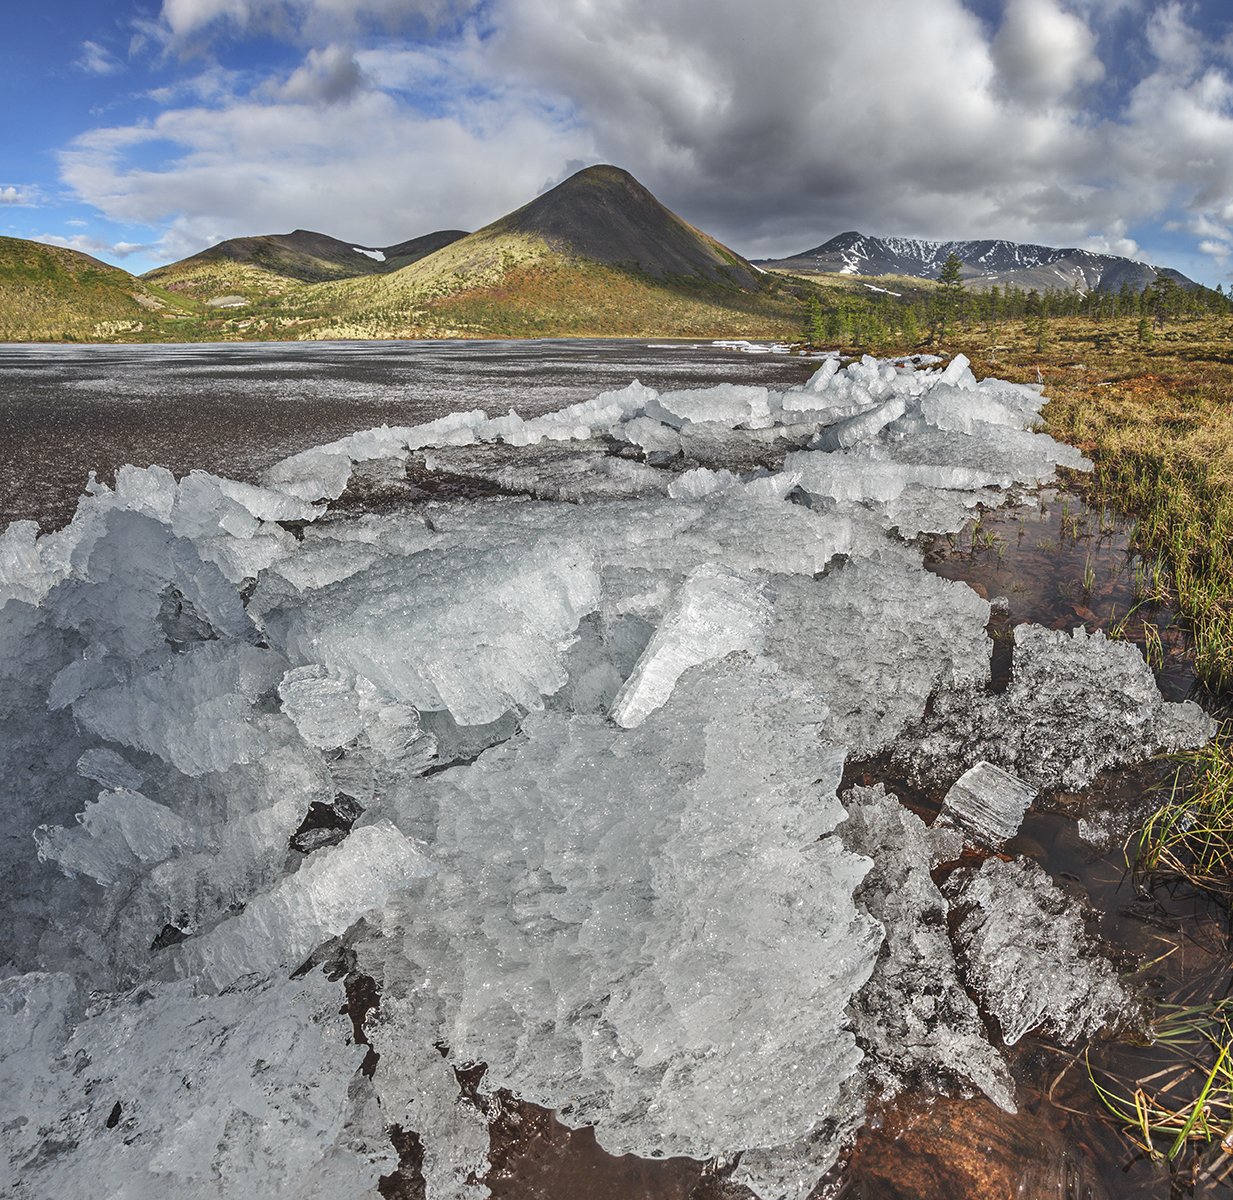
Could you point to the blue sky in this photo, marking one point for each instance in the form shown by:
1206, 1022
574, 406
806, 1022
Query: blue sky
144, 131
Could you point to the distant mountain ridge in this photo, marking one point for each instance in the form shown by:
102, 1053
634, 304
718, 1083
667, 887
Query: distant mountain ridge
986, 263
263, 265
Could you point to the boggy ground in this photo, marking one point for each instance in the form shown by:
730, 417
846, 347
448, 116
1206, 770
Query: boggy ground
1142, 550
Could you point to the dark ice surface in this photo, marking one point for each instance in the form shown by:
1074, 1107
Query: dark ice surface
235, 408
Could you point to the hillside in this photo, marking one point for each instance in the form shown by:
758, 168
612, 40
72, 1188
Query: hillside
597, 254
406, 253
245, 270
986, 263
51, 293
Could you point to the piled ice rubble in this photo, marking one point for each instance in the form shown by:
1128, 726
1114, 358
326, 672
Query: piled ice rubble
558, 766
1076, 703
1026, 952
915, 1019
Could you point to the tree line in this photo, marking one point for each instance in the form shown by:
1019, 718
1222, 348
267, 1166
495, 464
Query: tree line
842, 318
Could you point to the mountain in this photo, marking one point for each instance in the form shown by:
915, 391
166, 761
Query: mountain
597, 254
241, 270
985, 263
406, 253
605, 215
49, 292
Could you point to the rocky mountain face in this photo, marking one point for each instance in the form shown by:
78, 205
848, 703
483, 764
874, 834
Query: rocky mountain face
986, 263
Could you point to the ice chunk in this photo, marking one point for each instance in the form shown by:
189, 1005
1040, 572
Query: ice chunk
852, 432
1025, 951
325, 709
171, 1093
266, 504
875, 638
119, 831
818, 381
1076, 703
958, 372
988, 803
110, 769
729, 404
454, 429
420, 1091
23, 575
717, 611
553, 472
327, 894
646, 896
914, 1016
600, 415
135, 587
964, 410
474, 632
321, 473
194, 710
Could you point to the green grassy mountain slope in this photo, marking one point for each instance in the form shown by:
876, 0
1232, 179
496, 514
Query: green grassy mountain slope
48, 293
406, 253
245, 270
596, 255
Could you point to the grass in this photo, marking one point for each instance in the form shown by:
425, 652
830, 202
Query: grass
48, 293
1187, 1103
1191, 835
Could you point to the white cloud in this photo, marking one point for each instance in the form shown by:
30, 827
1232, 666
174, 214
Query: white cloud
778, 126
309, 20
326, 77
375, 170
772, 126
97, 60
89, 244
1113, 241
1043, 53
1175, 43
20, 195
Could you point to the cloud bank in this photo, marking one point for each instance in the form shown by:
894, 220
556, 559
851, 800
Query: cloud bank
772, 126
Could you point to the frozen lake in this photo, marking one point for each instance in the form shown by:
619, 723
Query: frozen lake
235, 408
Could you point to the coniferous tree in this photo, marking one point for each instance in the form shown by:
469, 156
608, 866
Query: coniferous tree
814, 330
950, 295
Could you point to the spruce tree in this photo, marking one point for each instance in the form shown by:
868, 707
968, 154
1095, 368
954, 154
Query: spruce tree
950, 294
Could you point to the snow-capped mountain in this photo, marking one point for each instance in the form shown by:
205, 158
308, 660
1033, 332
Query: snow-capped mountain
985, 263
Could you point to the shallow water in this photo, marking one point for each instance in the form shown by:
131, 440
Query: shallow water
235, 408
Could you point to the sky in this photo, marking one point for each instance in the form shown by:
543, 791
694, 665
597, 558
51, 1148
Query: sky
141, 131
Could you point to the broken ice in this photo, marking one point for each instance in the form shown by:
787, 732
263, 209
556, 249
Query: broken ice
988, 804
555, 769
1024, 948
